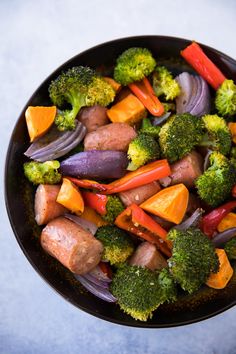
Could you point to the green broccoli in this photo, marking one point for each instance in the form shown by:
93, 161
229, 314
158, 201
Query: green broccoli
149, 129
230, 248
168, 287
169, 106
233, 156
144, 148
226, 98
218, 135
79, 86
140, 291
133, 65
114, 207
179, 135
42, 172
118, 245
215, 184
193, 258
164, 83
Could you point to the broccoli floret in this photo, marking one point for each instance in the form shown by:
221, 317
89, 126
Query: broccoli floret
133, 65
165, 84
179, 135
233, 156
79, 86
169, 106
215, 184
137, 290
114, 207
118, 245
218, 135
193, 258
230, 248
142, 149
42, 172
168, 287
226, 98
149, 129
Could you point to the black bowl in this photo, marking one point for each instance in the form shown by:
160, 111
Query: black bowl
19, 195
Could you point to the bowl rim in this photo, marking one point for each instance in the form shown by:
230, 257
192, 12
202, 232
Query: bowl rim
136, 324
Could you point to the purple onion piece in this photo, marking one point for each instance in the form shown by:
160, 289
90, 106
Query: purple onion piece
95, 281
88, 225
195, 95
161, 120
96, 290
98, 273
101, 164
192, 221
56, 143
221, 238
206, 160
185, 82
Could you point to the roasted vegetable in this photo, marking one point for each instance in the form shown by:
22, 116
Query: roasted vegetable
193, 258
230, 248
215, 184
217, 135
118, 245
80, 87
165, 84
141, 150
42, 172
140, 291
180, 135
226, 98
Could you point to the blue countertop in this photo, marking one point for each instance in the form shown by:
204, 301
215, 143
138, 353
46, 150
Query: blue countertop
36, 37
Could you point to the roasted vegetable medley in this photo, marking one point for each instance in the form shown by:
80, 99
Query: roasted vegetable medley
135, 178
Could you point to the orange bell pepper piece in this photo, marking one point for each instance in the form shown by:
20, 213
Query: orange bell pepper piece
91, 215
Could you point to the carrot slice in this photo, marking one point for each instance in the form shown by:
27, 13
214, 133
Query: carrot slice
170, 203
70, 197
39, 119
116, 86
220, 279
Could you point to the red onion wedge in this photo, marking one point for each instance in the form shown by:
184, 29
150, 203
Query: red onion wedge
87, 225
161, 120
192, 221
195, 95
55, 143
206, 160
101, 164
96, 290
221, 238
99, 274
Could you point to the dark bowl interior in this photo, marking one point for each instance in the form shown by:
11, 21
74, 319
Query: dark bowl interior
19, 195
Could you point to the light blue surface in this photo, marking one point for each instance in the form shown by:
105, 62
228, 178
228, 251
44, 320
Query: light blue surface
35, 38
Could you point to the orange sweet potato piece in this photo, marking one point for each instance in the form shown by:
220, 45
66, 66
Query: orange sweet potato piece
170, 203
70, 197
220, 279
39, 119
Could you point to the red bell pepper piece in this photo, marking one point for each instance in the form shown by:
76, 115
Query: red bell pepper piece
145, 93
195, 56
86, 183
95, 201
133, 219
234, 191
212, 219
143, 175
105, 268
